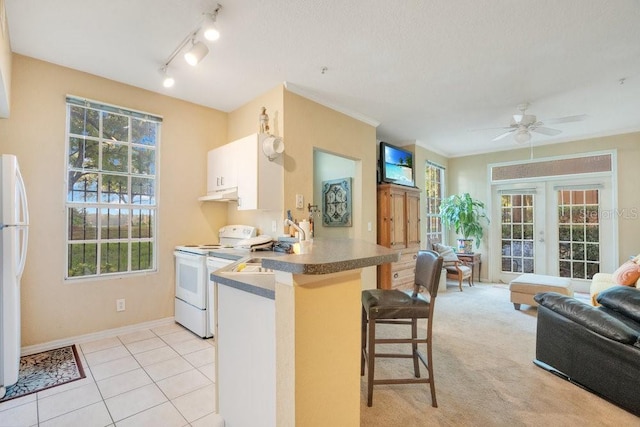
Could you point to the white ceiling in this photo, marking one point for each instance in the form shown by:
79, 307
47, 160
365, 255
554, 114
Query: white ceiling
433, 72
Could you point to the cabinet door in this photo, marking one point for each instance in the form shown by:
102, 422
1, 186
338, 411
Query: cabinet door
222, 168
246, 149
413, 219
397, 220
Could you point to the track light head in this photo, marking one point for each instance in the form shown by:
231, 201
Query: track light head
167, 80
209, 29
197, 52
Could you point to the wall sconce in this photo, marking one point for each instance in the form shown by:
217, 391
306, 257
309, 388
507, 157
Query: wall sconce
272, 146
198, 49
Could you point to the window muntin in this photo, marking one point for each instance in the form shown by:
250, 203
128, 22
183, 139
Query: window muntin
112, 157
434, 189
517, 225
579, 233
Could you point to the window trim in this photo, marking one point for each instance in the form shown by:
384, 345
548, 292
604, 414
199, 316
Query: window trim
102, 205
428, 215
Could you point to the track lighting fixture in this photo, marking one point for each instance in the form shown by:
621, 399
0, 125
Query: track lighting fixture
209, 29
167, 79
198, 49
197, 52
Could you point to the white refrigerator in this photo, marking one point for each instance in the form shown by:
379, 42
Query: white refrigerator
14, 220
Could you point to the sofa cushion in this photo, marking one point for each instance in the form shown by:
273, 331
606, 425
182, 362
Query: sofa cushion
589, 317
623, 300
445, 252
627, 274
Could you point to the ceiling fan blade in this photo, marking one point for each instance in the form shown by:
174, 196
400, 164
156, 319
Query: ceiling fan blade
503, 135
546, 131
567, 119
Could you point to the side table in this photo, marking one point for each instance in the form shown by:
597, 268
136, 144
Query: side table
473, 259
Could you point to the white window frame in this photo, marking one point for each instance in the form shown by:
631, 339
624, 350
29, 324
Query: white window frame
440, 234
129, 206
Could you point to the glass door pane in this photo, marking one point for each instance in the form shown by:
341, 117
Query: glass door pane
578, 233
517, 236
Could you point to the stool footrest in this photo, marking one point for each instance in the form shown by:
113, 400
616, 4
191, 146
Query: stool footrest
401, 340
402, 381
395, 355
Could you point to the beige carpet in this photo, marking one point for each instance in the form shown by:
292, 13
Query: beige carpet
484, 375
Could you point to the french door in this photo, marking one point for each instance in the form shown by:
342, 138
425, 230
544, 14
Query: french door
559, 227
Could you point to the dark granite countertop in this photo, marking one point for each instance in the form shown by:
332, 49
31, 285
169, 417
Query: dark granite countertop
324, 256
321, 256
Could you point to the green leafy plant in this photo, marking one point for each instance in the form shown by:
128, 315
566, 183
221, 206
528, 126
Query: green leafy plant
465, 215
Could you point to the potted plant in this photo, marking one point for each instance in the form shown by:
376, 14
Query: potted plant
466, 215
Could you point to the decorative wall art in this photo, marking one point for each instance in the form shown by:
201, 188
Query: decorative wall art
336, 203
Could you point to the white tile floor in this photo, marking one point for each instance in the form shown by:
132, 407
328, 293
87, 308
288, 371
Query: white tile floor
159, 377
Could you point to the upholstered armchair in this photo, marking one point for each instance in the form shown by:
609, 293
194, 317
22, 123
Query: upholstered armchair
456, 269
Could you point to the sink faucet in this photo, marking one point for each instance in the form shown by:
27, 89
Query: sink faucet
301, 234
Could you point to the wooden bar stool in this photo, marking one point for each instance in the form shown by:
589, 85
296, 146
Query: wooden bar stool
398, 307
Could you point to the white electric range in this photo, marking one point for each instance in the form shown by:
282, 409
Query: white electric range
195, 299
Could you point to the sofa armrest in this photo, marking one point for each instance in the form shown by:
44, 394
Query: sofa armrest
622, 299
590, 317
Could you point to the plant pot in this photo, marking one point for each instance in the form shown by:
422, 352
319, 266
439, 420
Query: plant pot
465, 246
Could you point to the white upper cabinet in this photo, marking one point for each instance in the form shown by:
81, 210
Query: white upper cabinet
240, 171
222, 173
260, 180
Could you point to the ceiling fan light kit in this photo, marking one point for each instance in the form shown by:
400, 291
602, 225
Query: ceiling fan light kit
522, 136
523, 124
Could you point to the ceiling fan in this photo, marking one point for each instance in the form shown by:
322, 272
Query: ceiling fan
523, 124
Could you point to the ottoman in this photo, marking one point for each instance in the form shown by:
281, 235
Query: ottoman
525, 286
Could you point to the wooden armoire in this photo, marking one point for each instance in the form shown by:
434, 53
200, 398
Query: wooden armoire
398, 228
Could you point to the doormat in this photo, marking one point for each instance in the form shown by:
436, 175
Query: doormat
44, 370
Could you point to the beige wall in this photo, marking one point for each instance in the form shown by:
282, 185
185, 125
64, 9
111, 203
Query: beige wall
469, 174
310, 126
53, 308
5, 65
244, 121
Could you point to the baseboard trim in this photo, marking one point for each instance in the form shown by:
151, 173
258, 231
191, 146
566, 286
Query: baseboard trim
108, 333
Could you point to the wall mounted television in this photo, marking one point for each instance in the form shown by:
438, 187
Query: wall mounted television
396, 165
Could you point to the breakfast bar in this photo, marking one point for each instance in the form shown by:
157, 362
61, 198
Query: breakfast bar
288, 342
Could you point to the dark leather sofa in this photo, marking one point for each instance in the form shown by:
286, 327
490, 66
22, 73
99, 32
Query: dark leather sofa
597, 348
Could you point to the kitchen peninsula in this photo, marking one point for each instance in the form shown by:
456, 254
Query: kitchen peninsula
295, 333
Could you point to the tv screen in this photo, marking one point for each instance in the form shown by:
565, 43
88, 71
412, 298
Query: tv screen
396, 165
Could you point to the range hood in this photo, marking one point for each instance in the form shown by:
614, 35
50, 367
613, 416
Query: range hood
227, 195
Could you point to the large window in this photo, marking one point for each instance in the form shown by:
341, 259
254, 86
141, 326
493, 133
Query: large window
111, 198
434, 188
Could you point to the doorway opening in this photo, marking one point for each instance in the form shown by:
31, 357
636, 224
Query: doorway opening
553, 221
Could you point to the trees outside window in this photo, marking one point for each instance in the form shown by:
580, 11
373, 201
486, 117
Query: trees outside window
111, 198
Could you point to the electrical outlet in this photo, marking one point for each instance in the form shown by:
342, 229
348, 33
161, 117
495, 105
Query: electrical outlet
120, 305
299, 201
274, 226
